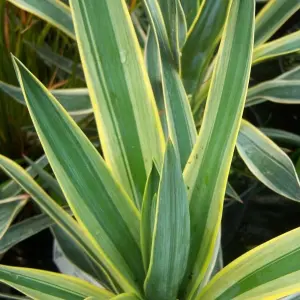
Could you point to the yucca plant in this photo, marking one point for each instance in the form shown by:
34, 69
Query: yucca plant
147, 216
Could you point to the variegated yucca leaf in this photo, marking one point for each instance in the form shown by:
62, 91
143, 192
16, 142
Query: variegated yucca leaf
171, 232
123, 103
270, 271
77, 165
271, 18
202, 40
208, 167
283, 89
75, 101
49, 286
53, 11
268, 162
180, 123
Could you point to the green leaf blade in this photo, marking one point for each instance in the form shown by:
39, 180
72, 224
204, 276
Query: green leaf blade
268, 162
269, 271
124, 106
271, 17
207, 170
48, 285
91, 191
52, 11
171, 236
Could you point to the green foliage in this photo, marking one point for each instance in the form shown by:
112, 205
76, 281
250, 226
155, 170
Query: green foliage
147, 215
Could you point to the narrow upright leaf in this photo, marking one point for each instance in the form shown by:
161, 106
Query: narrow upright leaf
207, 170
271, 17
191, 8
9, 208
171, 236
52, 11
148, 215
268, 162
124, 106
181, 127
101, 207
203, 38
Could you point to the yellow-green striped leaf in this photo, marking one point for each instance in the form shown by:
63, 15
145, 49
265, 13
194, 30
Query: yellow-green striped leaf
53, 210
283, 89
9, 208
171, 235
271, 17
53, 11
181, 127
23, 230
269, 271
268, 162
207, 170
278, 91
50, 286
203, 38
126, 297
191, 8
79, 258
121, 94
75, 101
62, 63
100, 205
281, 136
148, 215
285, 45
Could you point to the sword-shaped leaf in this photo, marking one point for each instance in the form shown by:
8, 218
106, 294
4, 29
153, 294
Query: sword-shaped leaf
100, 205
171, 233
271, 17
52, 11
49, 285
268, 162
207, 170
122, 98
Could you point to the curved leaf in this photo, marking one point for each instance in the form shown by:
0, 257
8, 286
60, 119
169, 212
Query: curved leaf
207, 170
53, 11
171, 235
278, 91
181, 126
99, 204
53, 210
281, 136
126, 297
9, 208
271, 17
285, 45
268, 162
48, 285
75, 101
121, 94
203, 38
269, 271
148, 215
